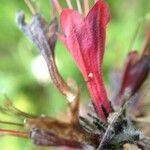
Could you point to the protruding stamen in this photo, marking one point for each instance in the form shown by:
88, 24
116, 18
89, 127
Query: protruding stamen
31, 7
95, 1
79, 6
86, 6
53, 11
134, 35
58, 6
69, 4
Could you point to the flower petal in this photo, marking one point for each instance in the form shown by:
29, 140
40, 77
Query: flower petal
135, 73
85, 39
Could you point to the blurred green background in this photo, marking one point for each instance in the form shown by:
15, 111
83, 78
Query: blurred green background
23, 76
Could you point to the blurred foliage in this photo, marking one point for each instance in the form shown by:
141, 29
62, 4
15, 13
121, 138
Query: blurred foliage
17, 55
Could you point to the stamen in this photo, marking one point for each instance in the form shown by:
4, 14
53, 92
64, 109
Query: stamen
95, 1
57, 5
135, 34
79, 6
86, 6
69, 4
53, 11
30, 6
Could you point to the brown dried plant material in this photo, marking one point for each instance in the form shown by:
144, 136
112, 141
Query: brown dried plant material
44, 37
63, 133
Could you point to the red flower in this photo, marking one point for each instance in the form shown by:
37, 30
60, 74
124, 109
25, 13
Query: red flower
135, 72
85, 39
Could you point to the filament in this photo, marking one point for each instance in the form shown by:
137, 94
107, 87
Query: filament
58, 6
31, 7
53, 11
69, 4
79, 6
95, 1
86, 6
